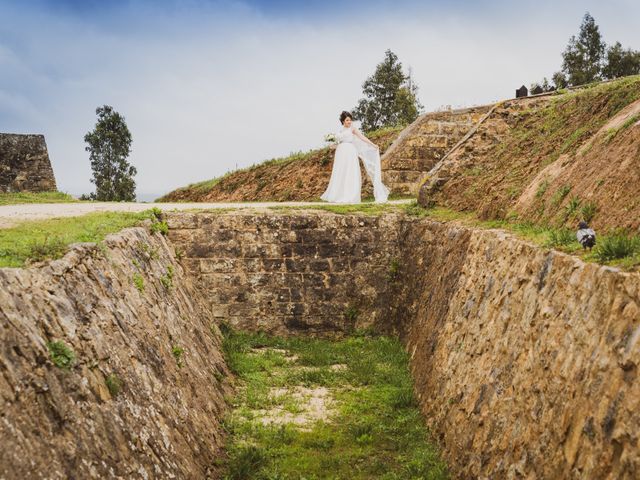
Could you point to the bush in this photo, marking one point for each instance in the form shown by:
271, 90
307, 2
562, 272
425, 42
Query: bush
114, 384
160, 227
61, 355
616, 246
560, 238
47, 248
588, 211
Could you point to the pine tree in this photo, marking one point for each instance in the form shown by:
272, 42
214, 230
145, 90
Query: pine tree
109, 145
390, 96
583, 57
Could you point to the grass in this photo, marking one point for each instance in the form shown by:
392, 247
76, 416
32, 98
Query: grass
48, 239
374, 430
167, 278
367, 208
177, 353
138, 281
40, 197
618, 248
114, 384
61, 355
231, 180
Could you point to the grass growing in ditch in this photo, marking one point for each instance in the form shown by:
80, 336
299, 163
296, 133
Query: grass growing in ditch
43, 239
316, 408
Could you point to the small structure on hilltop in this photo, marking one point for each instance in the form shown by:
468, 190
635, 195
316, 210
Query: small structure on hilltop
25, 164
522, 92
537, 90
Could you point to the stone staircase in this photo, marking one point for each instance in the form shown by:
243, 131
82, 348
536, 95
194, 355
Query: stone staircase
423, 143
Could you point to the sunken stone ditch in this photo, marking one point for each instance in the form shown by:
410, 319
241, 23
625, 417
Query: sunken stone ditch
523, 361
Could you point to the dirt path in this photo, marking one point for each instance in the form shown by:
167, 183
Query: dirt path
13, 214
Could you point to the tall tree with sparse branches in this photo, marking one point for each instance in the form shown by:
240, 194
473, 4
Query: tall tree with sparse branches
109, 145
390, 96
583, 58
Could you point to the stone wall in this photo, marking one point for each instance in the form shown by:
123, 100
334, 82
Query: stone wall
24, 164
422, 144
311, 273
524, 359
59, 423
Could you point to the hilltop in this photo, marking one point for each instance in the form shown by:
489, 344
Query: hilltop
550, 160
301, 176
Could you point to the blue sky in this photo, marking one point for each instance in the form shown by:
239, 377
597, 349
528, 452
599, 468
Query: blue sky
208, 85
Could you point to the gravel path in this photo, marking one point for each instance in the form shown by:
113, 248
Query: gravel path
13, 214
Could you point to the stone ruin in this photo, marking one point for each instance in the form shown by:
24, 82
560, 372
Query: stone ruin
522, 92
25, 164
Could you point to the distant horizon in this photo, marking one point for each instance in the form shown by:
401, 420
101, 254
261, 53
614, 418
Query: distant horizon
208, 85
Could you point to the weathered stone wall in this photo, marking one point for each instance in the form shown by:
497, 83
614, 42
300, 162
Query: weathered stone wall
524, 359
24, 164
61, 423
311, 272
422, 144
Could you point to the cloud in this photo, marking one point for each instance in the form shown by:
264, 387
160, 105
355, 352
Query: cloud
208, 86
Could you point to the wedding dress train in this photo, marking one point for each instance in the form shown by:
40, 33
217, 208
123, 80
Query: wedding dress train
346, 181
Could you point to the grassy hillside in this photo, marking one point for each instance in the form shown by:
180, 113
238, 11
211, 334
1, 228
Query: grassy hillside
552, 161
40, 197
300, 176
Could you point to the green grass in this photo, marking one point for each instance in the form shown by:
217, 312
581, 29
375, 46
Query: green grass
177, 353
617, 246
40, 197
44, 239
366, 208
618, 249
114, 384
374, 429
61, 355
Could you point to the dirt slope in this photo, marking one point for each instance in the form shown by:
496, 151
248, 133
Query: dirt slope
302, 177
551, 160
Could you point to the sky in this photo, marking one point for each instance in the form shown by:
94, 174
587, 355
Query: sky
208, 86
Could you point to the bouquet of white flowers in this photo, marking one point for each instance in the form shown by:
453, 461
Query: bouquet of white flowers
330, 138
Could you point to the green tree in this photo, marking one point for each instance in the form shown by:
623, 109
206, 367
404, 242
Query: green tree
109, 145
621, 62
559, 80
390, 96
584, 55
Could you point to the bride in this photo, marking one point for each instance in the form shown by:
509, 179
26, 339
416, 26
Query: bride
345, 183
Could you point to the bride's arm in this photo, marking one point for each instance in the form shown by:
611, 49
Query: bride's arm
362, 137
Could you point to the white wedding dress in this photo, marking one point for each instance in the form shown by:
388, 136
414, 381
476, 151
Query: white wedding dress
346, 182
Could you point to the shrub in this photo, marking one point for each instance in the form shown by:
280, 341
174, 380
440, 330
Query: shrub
177, 352
351, 313
542, 189
167, 278
246, 461
560, 194
138, 281
616, 246
560, 238
61, 355
114, 384
572, 207
588, 211
160, 227
394, 269
47, 248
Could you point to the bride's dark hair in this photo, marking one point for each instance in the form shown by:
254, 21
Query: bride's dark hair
344, 115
